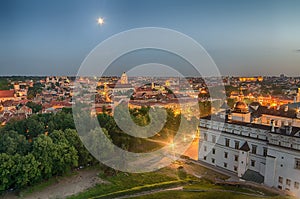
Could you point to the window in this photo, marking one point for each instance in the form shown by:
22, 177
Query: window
204, 136
205, 148
253, 163
213, 139
225, 164
280, 179
265, 151
235, 168
225, 155
296, 185
227, 141
297, 163
213, 160
204, 158
236, 144
254, 149
213, 151
288, 182
236, 158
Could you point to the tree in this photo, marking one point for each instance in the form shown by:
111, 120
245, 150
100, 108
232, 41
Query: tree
26, 170
11, 143
34, 127
99, 143
6, 174
231, 102
4, 84
58, 136
43, 151
64, 154
64, 158
35, 107
33, 91
84, 156
205, 108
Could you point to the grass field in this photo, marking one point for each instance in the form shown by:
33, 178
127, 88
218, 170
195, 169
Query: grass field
202, 195
129, 183
140, 185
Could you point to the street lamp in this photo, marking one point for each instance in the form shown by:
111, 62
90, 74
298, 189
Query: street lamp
172, 145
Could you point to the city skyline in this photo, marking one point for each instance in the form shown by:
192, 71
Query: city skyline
243, 38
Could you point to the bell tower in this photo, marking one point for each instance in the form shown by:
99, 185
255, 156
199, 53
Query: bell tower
124, 78
298, 95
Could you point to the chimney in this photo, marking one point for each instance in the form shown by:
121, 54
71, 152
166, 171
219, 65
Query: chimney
226, 116
286, 108
272, 126
290, 129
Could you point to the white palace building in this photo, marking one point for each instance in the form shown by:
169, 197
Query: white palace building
240, 141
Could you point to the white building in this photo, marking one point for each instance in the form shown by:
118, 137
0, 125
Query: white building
261, 153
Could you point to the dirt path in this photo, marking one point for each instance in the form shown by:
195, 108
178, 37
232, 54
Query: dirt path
65, 187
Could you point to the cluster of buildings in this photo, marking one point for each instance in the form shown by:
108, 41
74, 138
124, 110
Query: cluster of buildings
12, 102
52, 94
255, 142
145, 91
258, 141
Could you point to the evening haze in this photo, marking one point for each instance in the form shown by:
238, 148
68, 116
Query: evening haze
243, 37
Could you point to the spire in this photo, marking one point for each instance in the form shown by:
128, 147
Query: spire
298, 96
241, 95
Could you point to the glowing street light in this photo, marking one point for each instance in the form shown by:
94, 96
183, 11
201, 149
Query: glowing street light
172, 145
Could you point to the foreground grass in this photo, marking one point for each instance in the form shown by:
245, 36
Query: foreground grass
139, 185
129, 183
201, 195
204, 188
204, 172
206, 185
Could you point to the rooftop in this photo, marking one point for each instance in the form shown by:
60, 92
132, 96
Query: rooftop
7, 93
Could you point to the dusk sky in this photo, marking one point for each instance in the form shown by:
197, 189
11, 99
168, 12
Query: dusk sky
258, 37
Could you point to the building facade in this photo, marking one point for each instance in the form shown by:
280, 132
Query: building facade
267, 154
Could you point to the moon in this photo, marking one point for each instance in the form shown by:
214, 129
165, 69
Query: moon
100, 20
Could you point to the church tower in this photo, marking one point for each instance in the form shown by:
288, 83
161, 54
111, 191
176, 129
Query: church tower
240, 111
298, 96
124, 78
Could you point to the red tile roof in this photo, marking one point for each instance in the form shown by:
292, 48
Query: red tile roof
7, 93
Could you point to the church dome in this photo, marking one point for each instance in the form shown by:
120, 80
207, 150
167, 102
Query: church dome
241, 107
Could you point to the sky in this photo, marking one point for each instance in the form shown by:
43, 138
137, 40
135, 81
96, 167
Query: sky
244, 38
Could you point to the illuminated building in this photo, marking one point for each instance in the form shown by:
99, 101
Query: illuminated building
251, 79
265, 151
